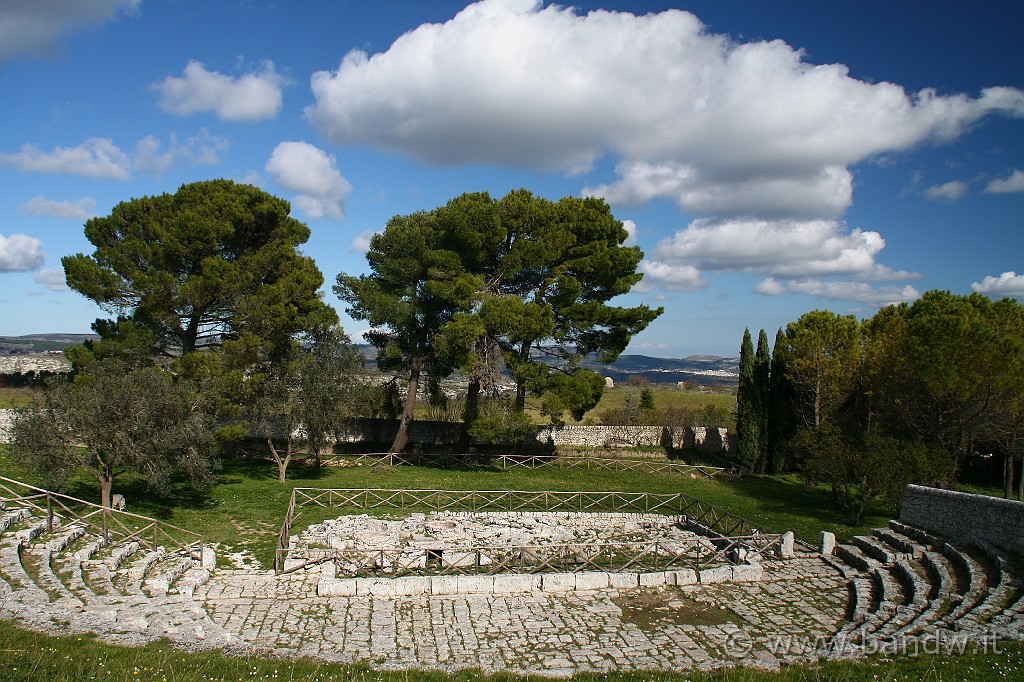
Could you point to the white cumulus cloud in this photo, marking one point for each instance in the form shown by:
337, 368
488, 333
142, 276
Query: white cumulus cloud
314, 175
96, 157
20, 253
1013, 183
201, 149
1008, 284
54, 280
721, 127
34, 27
839, 290
676, 277
361, 242
82, 209
812, 248
955, 190
252, 96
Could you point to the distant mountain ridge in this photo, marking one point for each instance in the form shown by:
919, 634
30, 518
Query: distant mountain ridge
704, 369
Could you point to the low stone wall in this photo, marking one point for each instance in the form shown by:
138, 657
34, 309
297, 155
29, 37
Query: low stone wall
964, 518
524, 583
438, 433
447, 433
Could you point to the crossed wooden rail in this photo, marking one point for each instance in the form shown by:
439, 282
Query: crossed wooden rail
534, 461
110, 524
730, 536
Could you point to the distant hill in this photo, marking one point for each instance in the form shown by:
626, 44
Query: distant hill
704, 369
40, 343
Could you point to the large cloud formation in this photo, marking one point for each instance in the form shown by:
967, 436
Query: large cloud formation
34, 27
252, 96
731, 131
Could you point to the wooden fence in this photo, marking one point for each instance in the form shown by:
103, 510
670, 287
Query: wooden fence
727, 532
110, 524
534, 461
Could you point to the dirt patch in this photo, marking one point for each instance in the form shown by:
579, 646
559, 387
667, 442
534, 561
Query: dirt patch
649, 608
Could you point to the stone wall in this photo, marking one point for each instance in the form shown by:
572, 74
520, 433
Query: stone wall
442, 433
963, 517
435, 433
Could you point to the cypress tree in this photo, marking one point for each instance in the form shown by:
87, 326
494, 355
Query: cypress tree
746, 410
762, 367
781, 420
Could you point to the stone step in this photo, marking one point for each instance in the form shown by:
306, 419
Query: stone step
14, 517
162, 575
38, 558
874, 549
917, 535
130, 579
899, 542
975, 589
855, 557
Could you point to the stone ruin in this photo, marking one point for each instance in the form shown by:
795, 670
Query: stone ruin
449, 539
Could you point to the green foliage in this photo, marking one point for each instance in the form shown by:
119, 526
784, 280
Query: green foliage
822, 358
115, 420
500, 422
868, 468
215, 264
747, 415
780, 412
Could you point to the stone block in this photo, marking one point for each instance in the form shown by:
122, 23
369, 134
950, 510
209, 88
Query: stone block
412, 585
747, 573
476, 584
558, 582
591, 581
623, 581
785, 548
684, 576
333, 587
375, 587
513, 583
827, 543
444, 584
209, 558
720, 574
653, 579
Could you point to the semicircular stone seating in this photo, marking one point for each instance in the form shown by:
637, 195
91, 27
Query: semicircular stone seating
67, 580
905, 586
911, 587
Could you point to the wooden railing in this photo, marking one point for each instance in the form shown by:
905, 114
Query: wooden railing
533, 461
111, 524
717, 525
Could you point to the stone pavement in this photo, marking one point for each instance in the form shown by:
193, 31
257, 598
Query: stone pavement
804, 601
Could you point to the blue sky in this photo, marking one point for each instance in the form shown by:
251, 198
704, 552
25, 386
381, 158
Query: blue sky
770, 158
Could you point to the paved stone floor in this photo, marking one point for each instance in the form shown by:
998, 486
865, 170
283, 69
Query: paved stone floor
699, 626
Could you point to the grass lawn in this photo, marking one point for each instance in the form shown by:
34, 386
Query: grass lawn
245, 507
34, 657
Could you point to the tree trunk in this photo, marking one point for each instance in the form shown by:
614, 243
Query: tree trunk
1020, 481
471, 412
1008, 476
402, 437
524, 357
282, 462
106, 483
